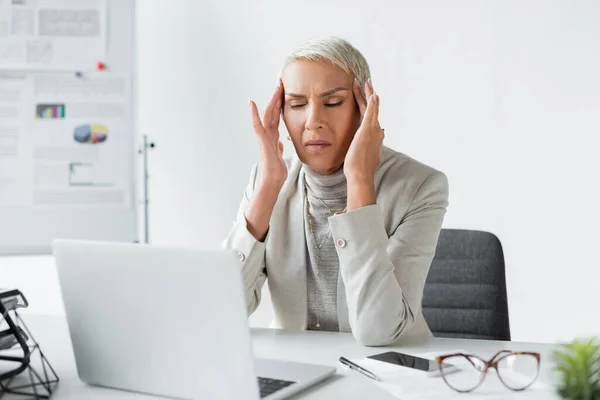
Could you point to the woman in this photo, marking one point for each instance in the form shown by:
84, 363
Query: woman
345, 232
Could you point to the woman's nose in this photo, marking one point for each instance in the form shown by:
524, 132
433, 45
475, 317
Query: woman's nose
314, 119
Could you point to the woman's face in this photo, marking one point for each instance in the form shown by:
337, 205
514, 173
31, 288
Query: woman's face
320, 113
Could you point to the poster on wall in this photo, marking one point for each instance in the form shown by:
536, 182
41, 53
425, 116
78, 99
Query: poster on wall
64, 141
52, 34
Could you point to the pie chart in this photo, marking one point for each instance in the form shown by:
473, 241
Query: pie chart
91, 134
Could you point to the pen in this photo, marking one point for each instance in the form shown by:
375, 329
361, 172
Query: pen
358, 368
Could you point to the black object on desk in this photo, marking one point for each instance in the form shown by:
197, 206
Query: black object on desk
18, 349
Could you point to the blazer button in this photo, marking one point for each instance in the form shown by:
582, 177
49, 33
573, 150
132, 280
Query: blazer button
242, 257
340, 243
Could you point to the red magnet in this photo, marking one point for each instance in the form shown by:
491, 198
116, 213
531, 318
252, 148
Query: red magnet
101, 66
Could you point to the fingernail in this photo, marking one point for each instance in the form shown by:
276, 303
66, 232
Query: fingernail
370, 83
356, 81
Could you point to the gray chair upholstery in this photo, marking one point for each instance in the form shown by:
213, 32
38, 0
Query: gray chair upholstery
465, 291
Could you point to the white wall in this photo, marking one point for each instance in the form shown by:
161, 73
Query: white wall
503, 96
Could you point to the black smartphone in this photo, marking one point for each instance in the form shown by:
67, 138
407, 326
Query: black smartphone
406, 360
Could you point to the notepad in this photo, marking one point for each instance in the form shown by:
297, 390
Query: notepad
407, 384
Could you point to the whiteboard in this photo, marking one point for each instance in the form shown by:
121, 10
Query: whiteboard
68, 144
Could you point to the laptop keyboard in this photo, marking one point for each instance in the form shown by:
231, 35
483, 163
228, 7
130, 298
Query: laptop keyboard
269, 386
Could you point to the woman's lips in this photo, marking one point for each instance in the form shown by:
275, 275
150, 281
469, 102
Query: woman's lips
317, 145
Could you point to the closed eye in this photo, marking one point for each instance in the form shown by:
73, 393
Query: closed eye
294, 106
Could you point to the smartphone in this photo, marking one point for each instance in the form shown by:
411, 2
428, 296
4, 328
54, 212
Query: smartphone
418, 363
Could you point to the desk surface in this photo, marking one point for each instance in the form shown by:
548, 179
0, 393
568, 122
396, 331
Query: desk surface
317, 347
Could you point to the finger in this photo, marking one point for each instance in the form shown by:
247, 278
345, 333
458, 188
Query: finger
368, 117
276, 113
369, 88
278, 96
256, 122
269, 119
360, 97
376, 109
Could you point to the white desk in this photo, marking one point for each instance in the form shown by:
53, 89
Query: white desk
316, 347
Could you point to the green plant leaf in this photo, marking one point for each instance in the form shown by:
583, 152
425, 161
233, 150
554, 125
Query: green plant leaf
578, 363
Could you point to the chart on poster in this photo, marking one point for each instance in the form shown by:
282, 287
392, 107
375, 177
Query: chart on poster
67, 137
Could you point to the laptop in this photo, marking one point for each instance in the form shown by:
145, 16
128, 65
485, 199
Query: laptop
167, 321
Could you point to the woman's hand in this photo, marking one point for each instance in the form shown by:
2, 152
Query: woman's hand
272, 171
364, 154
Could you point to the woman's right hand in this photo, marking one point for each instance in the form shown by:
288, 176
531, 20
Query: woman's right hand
272, 171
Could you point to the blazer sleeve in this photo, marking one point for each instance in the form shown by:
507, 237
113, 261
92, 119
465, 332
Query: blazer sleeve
385, 276
250, 251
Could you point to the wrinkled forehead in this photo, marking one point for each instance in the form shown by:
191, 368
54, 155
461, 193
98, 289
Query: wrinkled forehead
306, 77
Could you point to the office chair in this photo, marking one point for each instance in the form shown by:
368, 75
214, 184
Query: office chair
465, 291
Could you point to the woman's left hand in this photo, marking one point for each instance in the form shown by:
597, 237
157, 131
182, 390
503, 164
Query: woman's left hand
364, 154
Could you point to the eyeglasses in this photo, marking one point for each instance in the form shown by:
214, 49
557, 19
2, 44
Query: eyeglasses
466, 372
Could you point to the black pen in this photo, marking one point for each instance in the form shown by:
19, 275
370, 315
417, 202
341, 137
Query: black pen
358, 368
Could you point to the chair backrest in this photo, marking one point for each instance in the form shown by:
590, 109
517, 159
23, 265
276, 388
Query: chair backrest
465, 291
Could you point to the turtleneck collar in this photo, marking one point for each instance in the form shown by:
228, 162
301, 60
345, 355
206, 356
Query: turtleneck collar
330, 187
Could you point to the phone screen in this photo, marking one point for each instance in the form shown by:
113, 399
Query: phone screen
406, 360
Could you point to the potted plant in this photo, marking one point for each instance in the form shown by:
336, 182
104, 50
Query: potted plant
578, 365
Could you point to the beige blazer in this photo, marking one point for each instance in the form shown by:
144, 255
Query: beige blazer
385, 251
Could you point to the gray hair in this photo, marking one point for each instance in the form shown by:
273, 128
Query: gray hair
336, 51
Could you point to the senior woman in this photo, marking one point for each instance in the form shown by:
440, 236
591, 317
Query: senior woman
345, 232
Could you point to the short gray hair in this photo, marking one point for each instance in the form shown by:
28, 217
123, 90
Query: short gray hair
336, 51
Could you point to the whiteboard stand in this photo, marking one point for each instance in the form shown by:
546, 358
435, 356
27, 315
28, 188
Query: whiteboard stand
146, 145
